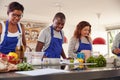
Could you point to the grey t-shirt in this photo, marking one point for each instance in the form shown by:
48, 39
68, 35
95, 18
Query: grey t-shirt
74, 44
45, 36
116, 42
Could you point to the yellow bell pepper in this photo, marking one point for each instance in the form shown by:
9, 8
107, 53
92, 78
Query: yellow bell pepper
80, 60
13, 54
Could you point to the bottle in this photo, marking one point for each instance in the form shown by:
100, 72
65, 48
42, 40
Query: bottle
20, 51
20, 48
81, 57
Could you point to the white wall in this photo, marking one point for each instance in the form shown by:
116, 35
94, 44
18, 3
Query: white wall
68, 31
97, 31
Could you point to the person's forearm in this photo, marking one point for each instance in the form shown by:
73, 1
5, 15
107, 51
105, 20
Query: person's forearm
72, 55
63, 54
39, 46
116, 51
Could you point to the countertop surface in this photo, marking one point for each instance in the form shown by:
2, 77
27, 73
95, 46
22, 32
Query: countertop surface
71, 73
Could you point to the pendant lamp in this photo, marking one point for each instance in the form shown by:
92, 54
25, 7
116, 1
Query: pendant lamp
99, 40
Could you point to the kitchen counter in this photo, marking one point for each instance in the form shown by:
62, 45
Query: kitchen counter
104, 73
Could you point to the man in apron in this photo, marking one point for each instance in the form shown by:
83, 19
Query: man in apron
50, 39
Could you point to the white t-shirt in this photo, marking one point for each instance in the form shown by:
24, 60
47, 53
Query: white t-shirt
9, 33
45, 36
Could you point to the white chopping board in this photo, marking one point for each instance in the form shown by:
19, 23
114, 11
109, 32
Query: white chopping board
41, 72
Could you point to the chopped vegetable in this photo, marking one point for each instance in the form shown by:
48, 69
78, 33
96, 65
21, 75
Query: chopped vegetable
71, 60
24, 66
100, 61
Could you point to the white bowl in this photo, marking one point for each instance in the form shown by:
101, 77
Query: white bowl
36, 61
38, 55
110, 60
51, 60
34, 57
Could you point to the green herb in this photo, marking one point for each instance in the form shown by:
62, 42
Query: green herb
24, 66
100, 61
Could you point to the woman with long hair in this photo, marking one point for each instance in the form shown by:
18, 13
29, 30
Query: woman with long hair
81, 40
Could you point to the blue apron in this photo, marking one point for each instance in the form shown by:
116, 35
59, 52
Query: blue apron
55, 48
84, 46
9, 43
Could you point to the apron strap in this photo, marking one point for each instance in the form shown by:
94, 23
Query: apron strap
51, 31
52, 34
7, 24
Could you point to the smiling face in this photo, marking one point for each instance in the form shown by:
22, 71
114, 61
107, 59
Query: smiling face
58, 24
15, 16
85, 31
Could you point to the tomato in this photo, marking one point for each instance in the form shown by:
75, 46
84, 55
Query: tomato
10, 58
14, 61
2, 55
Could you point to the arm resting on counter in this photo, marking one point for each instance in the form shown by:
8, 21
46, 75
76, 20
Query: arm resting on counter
116, 44
63, 54
39, 46
23, 37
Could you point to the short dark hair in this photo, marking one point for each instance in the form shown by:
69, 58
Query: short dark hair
59, 15
15, 6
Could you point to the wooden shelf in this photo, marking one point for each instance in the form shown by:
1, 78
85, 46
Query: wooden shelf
32, 30
31, 34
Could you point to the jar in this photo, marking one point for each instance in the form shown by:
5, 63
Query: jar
81, 55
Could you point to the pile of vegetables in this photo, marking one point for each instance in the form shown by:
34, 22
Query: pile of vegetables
11, 62
11, 57
100, 61
6, 66
24, 66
